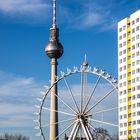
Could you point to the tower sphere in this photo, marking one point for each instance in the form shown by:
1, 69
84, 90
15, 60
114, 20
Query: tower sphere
54, 48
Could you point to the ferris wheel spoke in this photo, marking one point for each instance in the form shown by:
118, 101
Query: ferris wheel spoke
59, 122
93, 90
95, 130
65, 103
70, 91
61, 112
65, 130
101, 99
102, 122
103, 111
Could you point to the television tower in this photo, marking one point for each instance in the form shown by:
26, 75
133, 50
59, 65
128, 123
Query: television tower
54, 51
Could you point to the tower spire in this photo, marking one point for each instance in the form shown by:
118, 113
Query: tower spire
54, 14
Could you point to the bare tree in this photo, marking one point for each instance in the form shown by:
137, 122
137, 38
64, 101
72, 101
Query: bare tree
13, 137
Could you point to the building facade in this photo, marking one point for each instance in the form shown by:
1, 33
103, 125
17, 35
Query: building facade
129, 77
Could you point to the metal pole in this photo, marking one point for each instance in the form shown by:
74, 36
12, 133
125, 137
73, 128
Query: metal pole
54, 102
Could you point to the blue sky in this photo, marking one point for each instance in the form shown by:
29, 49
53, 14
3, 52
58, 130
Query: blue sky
86, 27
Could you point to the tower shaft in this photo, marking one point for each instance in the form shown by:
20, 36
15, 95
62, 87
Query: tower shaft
54, 102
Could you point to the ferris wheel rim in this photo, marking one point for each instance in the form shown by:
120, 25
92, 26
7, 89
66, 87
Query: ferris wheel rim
95, 71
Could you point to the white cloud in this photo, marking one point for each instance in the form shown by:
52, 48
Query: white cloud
91, 15
17, 100
25, 9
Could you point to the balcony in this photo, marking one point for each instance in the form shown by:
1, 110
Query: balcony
130, 127
129, 62
129, 54
129, 69
129, 78
129, 103
128, 29
129, 119
129, 136
129, 86
129, 111
128, 45
129, 94
129, 37
128, 21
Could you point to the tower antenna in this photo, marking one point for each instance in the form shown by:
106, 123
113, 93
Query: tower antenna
54, 14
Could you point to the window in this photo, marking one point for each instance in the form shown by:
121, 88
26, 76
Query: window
138, 79
137, 20
133, 71
120, 45
134, 105
121, 117
133, 63
133, 55
134, 113
134, 122
137, 36
120, 77
133, 22
133, 30
124, 27
124, 83
120, 37
138, 88
120, 29
138, 104
125, 124
124, 67
124, 75
133, 80
120, 53
138, 62
124, 51
133, 38
124, 35
133, 89
134, 130
124, 92
133, 97
124, 108
121, 133
133, 47
125, 132
124, 43
120, 61
137, 53
137, 28
138, 70
124, 59
125, 116
138, 45
138, 121
138, 113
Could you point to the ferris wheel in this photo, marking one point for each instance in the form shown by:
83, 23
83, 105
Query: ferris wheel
86, 99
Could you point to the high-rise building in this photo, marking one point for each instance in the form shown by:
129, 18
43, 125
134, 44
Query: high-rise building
129, 77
